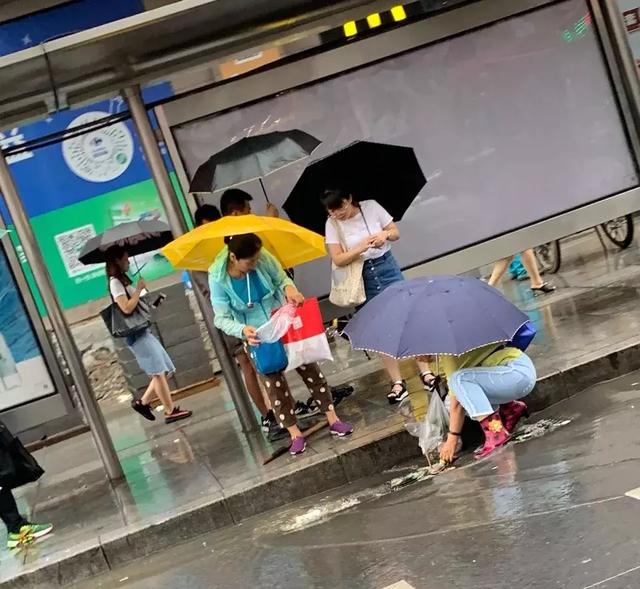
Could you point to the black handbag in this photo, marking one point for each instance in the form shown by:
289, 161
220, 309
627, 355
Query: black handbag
17, 466
120, 324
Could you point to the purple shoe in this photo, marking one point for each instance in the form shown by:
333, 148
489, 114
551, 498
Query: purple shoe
341, 429
298, 446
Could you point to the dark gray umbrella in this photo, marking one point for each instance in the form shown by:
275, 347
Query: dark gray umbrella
252, 158
136, 237
434, 315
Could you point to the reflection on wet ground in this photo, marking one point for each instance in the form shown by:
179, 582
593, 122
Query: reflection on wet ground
168, 469
548, 512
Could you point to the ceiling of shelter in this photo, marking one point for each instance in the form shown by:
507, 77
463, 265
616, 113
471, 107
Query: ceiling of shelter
154, 44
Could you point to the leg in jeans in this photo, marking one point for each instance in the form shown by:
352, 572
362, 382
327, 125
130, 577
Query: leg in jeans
9, 512
480, 390
281, 400
319, 389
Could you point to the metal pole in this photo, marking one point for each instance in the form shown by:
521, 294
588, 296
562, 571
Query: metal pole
179, 226
42, 277
622, 65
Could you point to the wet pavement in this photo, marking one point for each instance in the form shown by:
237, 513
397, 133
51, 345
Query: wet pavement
178, 469
548, 512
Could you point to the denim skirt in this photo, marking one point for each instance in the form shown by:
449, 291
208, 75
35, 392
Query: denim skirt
150, 355
380, 273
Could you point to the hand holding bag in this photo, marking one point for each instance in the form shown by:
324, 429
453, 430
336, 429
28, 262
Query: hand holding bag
306, 340
347, 282
269, 358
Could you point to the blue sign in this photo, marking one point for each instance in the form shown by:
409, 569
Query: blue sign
80, 15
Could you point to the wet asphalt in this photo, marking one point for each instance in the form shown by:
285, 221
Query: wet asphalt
550, 511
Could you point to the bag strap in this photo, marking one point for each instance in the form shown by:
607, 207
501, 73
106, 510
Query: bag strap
341, 237
126, 292
364, 219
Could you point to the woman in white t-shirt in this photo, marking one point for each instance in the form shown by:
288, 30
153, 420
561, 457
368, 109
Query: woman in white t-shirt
148, 351
368, 231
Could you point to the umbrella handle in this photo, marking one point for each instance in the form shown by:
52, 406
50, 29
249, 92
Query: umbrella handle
264, 190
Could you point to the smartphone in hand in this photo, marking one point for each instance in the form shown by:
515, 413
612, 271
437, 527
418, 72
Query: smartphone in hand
161, 298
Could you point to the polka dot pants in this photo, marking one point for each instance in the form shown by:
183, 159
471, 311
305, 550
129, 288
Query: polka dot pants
283, 403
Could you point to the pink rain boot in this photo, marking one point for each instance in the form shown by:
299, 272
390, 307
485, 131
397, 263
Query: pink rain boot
495, 434
512, 413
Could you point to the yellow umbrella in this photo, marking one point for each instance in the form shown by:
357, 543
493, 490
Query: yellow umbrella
291, 244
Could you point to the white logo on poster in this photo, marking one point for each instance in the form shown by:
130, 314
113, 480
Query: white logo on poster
101, 155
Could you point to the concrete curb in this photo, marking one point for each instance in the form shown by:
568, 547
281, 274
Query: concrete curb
388, 447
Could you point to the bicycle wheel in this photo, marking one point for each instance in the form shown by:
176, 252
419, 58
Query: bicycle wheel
619, 231
549, 257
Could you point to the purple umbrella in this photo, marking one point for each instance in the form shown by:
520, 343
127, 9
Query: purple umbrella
434, 315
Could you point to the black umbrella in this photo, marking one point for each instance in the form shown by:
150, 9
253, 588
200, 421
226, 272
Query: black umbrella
389, 174
136, 237
252, 158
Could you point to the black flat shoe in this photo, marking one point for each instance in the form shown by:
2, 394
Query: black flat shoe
546, 288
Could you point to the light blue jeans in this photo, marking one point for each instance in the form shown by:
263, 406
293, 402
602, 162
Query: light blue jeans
480, 390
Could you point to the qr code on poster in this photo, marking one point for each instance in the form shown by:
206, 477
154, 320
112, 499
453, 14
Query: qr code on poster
69, 245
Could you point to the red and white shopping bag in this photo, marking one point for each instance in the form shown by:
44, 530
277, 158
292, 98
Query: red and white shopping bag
306, 340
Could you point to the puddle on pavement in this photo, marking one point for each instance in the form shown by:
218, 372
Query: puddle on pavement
329, 509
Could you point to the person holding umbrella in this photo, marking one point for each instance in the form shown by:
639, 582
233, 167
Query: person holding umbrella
208, 214
365, 229
473, 330
113, 248
147, 350
238, 202
247, 284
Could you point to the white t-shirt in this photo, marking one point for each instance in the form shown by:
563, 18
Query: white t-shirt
355, 229
118, 290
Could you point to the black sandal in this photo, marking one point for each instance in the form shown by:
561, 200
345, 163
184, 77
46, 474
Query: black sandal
429, 384
395, 397
546, 288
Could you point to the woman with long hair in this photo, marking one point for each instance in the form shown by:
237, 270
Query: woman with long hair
247, 284
147, 350
366, 230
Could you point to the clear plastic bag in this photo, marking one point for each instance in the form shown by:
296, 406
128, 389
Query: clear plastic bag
280, 322
435, 425
432, 429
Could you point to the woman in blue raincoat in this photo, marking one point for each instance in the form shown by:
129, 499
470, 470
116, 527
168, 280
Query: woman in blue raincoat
247, 284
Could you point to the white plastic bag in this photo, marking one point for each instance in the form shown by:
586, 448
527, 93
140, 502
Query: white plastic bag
433, 428
278, 325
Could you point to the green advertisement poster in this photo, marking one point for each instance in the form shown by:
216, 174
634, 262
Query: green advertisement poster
62, 233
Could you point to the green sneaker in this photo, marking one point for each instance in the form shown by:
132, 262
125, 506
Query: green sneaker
28, 534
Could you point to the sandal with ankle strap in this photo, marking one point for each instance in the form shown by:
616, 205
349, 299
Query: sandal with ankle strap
428, 383
394, 397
